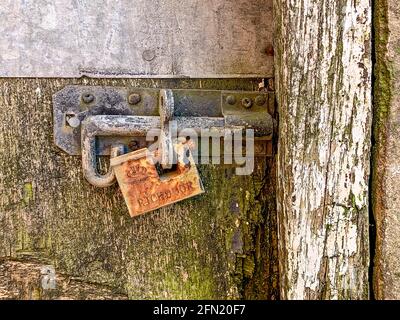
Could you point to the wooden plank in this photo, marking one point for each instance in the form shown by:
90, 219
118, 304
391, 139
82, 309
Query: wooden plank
386, 164
103, 38
323, 59
221, 244
26, 280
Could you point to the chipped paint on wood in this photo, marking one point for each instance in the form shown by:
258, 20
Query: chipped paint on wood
323, 63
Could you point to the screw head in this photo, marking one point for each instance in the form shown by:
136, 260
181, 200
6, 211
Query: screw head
230, 100
134, 98
74, 122
260, 100
87, 98
247, 103
149, 55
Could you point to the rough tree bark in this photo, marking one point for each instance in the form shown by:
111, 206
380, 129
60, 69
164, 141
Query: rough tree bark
323, 61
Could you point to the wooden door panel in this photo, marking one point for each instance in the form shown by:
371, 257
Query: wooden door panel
218, 245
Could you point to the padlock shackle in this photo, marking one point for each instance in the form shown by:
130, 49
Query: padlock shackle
166, 109
112, 125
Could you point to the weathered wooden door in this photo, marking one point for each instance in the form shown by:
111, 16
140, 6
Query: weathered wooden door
306, 209
222, 244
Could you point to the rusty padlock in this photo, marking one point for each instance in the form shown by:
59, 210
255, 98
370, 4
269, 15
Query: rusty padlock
145, 190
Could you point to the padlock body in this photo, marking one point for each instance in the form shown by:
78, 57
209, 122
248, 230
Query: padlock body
142, 187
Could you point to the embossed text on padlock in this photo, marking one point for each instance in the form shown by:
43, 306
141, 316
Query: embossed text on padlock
145, 190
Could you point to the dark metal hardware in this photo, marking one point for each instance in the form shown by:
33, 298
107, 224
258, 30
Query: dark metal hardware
91, 121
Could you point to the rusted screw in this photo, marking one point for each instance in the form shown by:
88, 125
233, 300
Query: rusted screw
87, 98
230, 100
134, 98
149, 55
247, 103
260, 100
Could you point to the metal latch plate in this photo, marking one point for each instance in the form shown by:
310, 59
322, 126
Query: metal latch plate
78, 102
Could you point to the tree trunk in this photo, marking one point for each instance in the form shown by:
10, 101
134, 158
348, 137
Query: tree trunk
218, 245
323, 71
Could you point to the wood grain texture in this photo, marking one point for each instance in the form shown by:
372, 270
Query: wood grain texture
136, 38
386, 161
23, 280
323, 61
218, 245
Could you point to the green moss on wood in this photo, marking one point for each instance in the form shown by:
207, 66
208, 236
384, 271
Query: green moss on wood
383, 92
189, 250
28, 193
383, 73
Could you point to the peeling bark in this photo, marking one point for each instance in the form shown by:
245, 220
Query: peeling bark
323, 73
